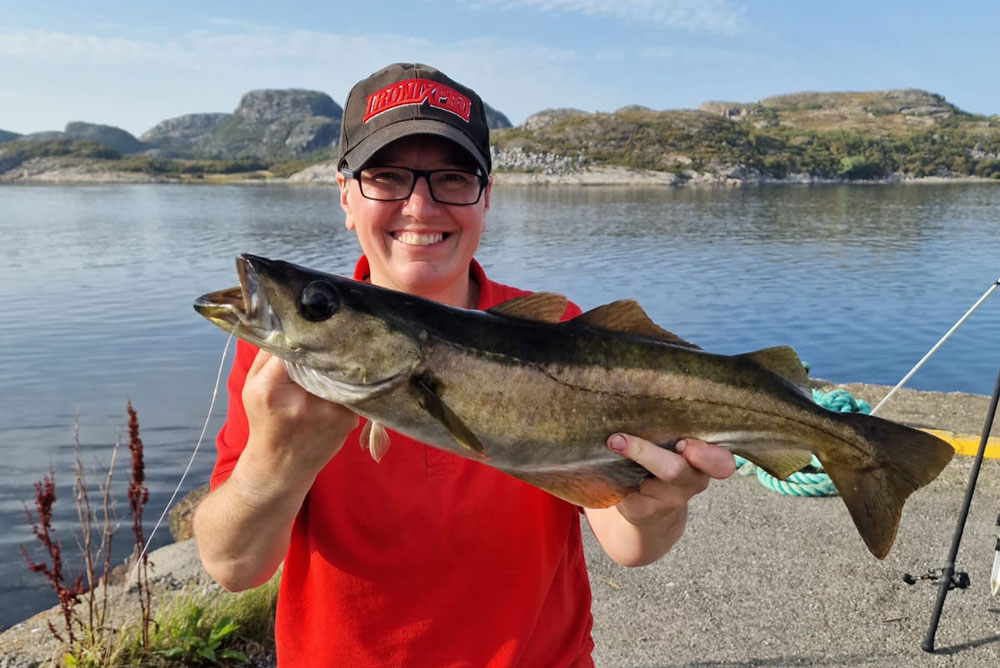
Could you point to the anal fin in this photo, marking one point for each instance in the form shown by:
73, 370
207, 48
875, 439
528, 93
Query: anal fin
777, 459
591, 486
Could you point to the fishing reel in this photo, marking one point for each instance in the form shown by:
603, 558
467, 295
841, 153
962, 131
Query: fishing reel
959, 579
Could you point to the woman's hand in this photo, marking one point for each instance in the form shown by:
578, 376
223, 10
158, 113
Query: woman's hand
244, 526
646, 524
293, 433
677, 476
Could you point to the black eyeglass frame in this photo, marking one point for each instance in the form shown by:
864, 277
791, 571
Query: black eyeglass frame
417, 173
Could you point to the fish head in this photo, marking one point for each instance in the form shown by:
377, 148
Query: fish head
333, 342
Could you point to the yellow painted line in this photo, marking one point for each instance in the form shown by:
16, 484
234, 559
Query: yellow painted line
967, 444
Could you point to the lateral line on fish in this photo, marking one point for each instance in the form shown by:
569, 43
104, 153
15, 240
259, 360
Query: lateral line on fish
625, 394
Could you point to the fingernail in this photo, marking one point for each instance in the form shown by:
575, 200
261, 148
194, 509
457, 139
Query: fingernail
617, 443
680, 445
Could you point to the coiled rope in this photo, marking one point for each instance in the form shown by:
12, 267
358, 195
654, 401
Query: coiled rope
812, 480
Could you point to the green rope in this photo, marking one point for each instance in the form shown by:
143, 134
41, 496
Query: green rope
812, 480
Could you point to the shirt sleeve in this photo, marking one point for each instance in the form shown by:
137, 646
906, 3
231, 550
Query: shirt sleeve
233, 435
572, 310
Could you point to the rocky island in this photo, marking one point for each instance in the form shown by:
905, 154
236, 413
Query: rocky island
809, 137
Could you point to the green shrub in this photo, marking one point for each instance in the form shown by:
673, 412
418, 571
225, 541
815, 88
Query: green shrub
859, 167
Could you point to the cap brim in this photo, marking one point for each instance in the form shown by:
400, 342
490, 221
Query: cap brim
381, 138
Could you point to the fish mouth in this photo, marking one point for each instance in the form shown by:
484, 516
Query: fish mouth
243, 307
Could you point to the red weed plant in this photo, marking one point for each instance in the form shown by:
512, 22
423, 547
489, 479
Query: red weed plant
94, 626
41, 527
138, 495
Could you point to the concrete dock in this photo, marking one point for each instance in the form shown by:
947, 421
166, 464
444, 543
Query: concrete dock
761, 579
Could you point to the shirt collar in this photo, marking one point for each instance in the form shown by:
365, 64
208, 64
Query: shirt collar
487, 298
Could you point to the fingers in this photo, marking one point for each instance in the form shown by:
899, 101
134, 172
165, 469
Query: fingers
717, 462
259, 361
662, 463
690, 456
269, 368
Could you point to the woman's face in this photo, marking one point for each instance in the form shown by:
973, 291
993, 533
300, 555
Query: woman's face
418, 245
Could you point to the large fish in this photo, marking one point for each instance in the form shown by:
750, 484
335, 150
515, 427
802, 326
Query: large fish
517, 390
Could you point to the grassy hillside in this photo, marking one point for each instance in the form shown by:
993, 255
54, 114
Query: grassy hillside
850, 135
13, 153
833, 135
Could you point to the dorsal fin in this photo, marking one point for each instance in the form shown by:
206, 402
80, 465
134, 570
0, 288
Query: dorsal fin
625, 315
539, 306
782, 361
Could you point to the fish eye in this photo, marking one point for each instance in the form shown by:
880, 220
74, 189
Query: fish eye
318, 301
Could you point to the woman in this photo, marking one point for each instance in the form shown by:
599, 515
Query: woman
423, 558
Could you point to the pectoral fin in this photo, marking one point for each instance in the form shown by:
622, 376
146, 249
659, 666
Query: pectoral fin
375, 438
432, 403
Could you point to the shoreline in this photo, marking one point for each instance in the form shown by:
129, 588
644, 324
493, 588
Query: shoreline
54, 171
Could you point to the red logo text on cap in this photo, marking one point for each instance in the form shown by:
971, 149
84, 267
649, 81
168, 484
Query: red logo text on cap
417, 91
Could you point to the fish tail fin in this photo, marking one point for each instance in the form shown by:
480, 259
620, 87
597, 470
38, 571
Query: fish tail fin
905, 459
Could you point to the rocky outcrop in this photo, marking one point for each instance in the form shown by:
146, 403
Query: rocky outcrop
58, 169
181, 515
110, 136
877, 112
44, 135
631, 108
275, 123
518, 160
312, 134
906, 101
734, 110
547, 117
495, 120
272, 106
266, 124
106, 135
183, 135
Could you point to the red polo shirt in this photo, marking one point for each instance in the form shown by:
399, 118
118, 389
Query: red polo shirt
426, 558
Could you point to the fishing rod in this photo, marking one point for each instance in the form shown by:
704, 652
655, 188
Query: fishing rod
947, 578
948, 572
938, 344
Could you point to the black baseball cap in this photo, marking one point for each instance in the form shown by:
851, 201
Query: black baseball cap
407, 99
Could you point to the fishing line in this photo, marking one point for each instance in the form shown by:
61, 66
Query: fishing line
187, 469
938, 344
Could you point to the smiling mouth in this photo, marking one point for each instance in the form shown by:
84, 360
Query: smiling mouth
415, 239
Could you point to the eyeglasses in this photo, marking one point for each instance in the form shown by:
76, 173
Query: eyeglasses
447, 186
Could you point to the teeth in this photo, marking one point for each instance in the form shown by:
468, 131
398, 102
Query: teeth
414, 239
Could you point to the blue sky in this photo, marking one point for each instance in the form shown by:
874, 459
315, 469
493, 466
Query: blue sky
133, 64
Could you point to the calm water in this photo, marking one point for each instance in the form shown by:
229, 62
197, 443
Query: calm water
96, 285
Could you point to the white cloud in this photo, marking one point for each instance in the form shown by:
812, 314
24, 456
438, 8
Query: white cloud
134, 83
712, 16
